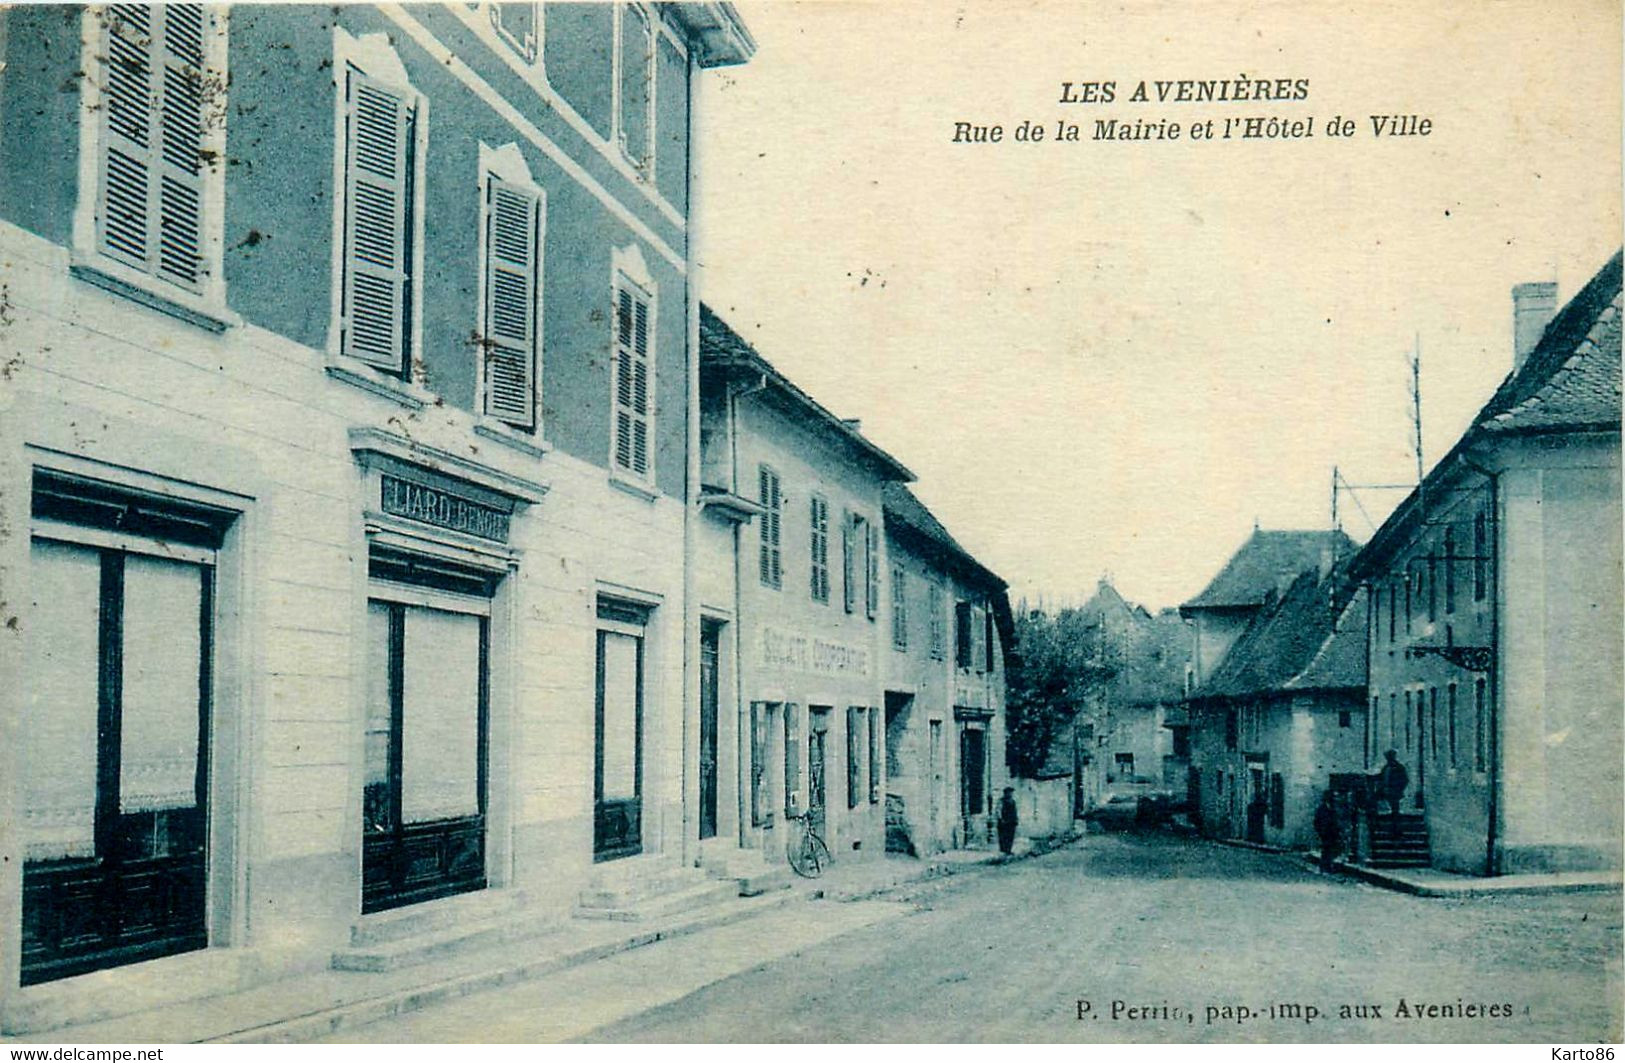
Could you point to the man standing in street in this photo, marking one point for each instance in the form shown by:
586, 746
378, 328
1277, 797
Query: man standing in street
1329, 827
1007, 821
1392, 781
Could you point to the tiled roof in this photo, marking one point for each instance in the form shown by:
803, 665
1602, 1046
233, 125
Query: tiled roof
1311, 638
901, 506
1266, 563
1569, 382
721, 347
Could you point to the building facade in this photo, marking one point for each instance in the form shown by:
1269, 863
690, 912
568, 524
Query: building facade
794, 560
948, 625
1495, 628
350, 420
1281, 719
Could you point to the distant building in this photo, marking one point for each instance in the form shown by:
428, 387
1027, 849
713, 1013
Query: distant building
1281, 717
1133, 748
949, 626
1496, 629
1244, 659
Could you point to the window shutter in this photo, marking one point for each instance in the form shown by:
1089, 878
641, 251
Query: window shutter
849, 561
632, 384
871, 582
510, 302
151, 210
376, 190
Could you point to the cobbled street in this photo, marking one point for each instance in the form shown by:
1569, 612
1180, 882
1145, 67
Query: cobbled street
1202, 939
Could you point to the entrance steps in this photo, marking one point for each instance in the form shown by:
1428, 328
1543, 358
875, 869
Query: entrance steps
748, 868
1399, 841
650, 888
441, 930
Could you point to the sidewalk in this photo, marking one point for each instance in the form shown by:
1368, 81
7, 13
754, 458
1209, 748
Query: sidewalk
854, 881
1430, 882
327, 1003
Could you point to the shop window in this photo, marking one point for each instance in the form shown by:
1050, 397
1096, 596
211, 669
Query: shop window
1480, 727
118, 654
618, 775
792, 760
854, 757
872, 718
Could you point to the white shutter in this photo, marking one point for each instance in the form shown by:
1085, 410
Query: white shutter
181, 116
152, 166
376, 190
632, 381
511, 255
871, 553
127, 148
849, 582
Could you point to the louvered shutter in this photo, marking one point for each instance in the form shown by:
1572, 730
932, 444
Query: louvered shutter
632, 383
376, 188
849, 582
151, 210
512, 254
871, 582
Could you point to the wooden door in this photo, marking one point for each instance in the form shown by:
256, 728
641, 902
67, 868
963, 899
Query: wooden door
709, 643
817, 775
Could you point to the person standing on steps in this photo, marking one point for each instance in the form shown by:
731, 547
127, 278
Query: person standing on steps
1392, 781
1008, 817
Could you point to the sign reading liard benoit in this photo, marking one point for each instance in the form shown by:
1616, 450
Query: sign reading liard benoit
415, 501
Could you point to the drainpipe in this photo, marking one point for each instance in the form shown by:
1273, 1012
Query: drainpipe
1492, 698
690, 700
741, 703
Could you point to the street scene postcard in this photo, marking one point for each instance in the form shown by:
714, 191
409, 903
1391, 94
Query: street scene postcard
804, 522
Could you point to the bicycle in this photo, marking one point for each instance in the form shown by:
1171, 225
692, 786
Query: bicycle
808, 855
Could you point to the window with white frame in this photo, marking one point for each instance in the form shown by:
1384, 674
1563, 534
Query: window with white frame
635, 76
511, 330
378, 261
519, 25
158, 93
633, 383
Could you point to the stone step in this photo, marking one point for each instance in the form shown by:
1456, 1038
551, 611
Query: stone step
764, 881
446, 942
1380, 862
626, 889
707, 892
416, 920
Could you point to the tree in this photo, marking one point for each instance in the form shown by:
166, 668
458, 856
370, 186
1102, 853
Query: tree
1055, 665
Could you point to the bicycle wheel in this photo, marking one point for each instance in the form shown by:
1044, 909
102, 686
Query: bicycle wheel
820, 854
805, 859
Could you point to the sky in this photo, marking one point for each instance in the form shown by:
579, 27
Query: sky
1109, 358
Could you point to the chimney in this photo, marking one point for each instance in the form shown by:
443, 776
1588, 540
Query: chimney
1533, 305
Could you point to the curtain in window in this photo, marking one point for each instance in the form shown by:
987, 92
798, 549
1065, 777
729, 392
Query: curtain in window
162, 660
620, 715
376, 811
58, 756
440, 716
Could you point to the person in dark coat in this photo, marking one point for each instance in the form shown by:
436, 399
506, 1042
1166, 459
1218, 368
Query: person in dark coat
1329, 828
1392, 781
1008, 818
